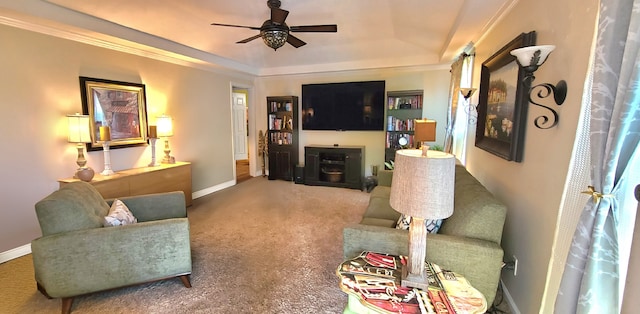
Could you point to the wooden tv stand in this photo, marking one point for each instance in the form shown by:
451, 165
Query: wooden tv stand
144, 180
340, 166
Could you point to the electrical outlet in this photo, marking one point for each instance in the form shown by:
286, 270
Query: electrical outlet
515, 266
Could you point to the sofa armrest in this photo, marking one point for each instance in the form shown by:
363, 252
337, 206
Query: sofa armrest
479, 261
89, 260
155, 206
385, 177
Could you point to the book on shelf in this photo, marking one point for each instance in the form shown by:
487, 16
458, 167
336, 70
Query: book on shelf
405, 102
395, 124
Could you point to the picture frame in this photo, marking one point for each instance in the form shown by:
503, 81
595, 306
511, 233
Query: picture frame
120, 105
503, 102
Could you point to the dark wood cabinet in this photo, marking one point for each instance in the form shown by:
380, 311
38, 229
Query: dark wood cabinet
340, 166
403, 108
282, 136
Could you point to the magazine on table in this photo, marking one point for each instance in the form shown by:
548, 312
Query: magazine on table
375, 278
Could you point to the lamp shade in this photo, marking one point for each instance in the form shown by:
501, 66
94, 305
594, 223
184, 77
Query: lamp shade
532, 55
423, 186
164, 126
79, 131
424, 130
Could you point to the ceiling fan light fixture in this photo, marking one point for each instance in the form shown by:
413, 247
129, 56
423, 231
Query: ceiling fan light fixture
274, 38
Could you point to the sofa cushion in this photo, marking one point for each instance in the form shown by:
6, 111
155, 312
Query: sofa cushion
75, 206
477, 213
378, 222
119, 215
379, 205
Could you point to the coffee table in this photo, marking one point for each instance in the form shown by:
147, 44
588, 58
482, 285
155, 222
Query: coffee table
372, 281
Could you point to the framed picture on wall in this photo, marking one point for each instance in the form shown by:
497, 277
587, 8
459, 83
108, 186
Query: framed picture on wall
502, 108
120, 105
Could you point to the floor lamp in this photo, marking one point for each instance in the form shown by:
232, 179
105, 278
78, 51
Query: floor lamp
422, 188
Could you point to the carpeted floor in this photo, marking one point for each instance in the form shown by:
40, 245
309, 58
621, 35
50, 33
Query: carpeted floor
258, 247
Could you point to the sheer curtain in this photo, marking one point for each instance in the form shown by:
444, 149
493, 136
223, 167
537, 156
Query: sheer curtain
458, 111
454, 86
599, 249
466, 114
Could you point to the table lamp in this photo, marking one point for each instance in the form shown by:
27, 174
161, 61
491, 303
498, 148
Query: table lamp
79, 133
164, 126
105, 138
422, 187
424, 131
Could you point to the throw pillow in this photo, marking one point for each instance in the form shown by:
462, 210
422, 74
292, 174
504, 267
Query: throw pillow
433, 225
119, 215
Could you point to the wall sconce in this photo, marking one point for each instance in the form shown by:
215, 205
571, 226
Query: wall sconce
530, 58
164, 127
79, 133
466, 93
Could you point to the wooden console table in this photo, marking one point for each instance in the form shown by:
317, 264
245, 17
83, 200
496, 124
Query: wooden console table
145, 180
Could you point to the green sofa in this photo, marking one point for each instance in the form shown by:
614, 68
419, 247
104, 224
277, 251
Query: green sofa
76, 255
467, 243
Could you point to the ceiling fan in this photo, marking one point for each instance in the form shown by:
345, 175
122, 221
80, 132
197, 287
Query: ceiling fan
275, 32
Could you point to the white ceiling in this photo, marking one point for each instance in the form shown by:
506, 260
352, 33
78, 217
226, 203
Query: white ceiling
371, 33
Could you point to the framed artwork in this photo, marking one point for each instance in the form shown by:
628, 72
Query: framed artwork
502, 107
120, 105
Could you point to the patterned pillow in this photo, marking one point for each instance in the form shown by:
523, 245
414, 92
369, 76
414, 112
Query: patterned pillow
433, 225
119, 215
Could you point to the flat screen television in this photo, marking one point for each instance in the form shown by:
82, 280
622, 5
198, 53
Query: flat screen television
351, 106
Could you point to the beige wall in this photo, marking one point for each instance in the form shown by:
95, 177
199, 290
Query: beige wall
39, 86
433, 80
533, 188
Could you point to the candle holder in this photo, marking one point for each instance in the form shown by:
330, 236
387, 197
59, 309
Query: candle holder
107, 160
153, 162
105, 137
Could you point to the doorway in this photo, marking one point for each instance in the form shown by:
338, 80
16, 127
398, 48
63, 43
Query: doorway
240, 112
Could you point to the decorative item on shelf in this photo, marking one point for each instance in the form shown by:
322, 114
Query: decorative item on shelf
153, 137
424, 131
80, 134
263, 150
530, 58
105, 138
422, 187
164, 126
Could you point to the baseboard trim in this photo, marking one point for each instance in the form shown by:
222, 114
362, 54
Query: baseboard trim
215, 188
510, 301
15, 253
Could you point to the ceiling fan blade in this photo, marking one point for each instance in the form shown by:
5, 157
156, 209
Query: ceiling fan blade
240, 26
295, 41
315, 28
244, 41
278, 15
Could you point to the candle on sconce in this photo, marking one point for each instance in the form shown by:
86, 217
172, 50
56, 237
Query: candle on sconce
153, 131
105, 133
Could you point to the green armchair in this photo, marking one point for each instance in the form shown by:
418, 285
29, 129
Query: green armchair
76, 255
